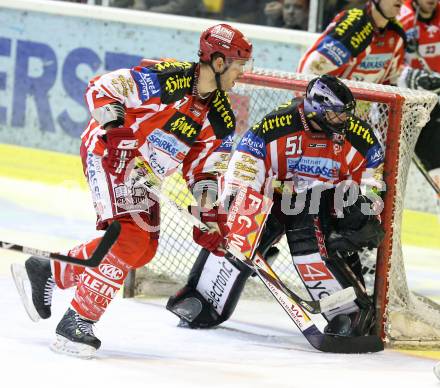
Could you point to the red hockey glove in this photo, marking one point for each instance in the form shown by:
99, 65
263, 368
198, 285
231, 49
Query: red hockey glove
212, 241
121, 147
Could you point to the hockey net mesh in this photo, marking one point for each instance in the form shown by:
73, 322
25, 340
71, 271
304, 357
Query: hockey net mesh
397, 116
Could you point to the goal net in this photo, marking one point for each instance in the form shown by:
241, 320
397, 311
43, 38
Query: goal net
397, 117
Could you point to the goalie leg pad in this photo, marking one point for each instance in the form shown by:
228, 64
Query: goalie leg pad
317, 275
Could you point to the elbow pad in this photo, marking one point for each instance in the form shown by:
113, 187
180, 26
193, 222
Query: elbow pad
113, 114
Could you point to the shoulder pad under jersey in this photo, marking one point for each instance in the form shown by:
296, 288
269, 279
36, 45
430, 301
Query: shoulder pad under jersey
220, 115
352, 32
282, 121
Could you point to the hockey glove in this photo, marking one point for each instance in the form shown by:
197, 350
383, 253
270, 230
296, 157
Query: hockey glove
421, 79
121, 148
213, 241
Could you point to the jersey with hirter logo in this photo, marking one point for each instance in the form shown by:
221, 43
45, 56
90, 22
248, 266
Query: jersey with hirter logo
425, 33
282, 147
172, 125
352, 47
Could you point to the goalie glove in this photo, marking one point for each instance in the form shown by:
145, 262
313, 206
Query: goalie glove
420, 79
357, 229
347, 241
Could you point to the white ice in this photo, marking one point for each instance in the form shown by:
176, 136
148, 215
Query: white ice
142, 347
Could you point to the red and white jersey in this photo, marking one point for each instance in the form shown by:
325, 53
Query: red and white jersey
172, 125
353, 47
426, 34
282, 147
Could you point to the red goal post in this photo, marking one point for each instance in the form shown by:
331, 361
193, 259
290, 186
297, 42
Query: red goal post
397, 116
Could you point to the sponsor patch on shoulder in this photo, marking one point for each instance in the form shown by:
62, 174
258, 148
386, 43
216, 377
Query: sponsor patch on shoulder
334, 50
147, 82
375, 156
252, 144
226, 145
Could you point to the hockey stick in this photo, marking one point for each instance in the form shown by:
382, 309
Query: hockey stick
260, 266
293, 305
264, 270
320, 341
108, 239
343, 267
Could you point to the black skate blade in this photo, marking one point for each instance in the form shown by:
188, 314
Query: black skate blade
348, 345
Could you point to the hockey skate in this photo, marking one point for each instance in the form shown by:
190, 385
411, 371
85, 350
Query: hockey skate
75, 337
37, 299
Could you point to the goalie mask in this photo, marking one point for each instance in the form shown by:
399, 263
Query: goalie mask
330, 104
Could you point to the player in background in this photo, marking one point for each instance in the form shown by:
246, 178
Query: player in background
145, 122
311, 145
421, 22
361, 44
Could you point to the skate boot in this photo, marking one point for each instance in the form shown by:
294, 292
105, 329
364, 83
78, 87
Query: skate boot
38, 300
75, 336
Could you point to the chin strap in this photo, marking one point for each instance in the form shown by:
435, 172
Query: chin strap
218, 80
218, 74
379, 9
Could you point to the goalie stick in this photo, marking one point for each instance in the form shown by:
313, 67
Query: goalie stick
108, 239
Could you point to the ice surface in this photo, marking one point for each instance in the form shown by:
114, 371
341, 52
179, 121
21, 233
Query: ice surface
142, 347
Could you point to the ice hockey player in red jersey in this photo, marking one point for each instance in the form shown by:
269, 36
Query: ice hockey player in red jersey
145, 120
421, 22
361, 44
314, 146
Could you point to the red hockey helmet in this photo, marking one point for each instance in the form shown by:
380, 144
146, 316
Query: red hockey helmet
226, 40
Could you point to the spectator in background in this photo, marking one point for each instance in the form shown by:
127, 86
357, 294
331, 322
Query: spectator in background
176, 7
244, 11
292, 14
179, 7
